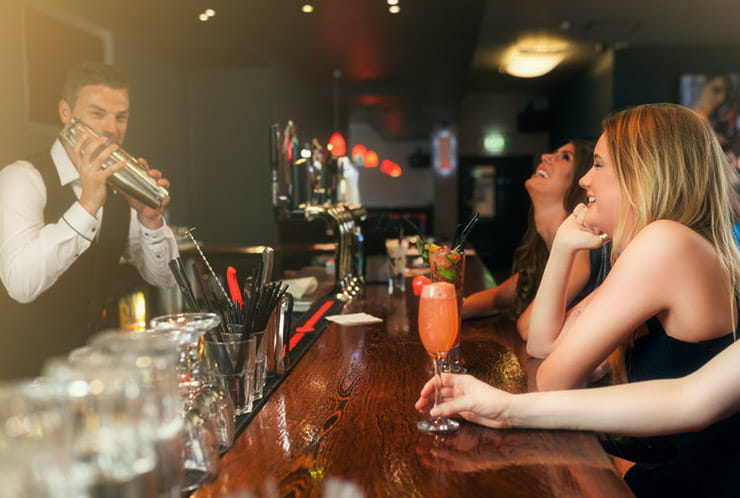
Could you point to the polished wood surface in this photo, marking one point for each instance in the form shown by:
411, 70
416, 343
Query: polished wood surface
346, 411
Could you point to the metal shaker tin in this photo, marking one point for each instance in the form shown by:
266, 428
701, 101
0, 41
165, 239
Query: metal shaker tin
132, 179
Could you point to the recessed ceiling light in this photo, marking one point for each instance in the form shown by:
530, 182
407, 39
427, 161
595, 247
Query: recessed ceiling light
394, 9
392, 2
210, 12
203, 17
307, 8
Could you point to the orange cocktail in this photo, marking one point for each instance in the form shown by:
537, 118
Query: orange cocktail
438, 318
438, 324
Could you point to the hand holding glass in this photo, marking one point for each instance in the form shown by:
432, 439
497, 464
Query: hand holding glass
438, 324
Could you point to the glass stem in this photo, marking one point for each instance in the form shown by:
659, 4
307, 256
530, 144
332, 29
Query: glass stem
438, 374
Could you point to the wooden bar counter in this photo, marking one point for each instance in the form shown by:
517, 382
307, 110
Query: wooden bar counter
346, 411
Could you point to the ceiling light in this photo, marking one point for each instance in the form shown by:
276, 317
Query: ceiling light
210, 12
307, 8
392, 2
203, 17
394, 9
534, 57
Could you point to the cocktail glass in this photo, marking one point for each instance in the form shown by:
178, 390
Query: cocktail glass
437, 330
449, 266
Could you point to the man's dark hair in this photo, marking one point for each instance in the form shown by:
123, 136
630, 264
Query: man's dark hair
92, 73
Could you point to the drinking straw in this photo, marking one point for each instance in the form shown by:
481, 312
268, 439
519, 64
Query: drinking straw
185, 289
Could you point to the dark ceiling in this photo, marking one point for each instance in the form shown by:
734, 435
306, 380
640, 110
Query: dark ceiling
404, 73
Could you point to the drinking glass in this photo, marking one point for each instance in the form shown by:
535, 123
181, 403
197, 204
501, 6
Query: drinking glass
438, 320
207, 410
187, 330
111, 449
154, 357
447, 266
397, 250
35, 443
226, 361
260, 367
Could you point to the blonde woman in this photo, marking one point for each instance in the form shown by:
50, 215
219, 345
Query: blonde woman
658, 189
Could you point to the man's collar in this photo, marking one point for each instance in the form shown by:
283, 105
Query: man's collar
65, 167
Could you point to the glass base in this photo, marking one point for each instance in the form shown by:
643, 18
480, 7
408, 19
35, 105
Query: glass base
438, 424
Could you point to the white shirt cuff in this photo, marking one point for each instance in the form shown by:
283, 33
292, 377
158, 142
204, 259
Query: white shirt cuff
82, 222
155, 236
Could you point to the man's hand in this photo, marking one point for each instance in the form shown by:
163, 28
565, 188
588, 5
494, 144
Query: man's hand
149, 217
88, 158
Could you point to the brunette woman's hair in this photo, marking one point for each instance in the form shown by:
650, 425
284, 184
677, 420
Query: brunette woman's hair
531, 255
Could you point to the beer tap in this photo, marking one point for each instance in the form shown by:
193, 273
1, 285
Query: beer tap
307, 193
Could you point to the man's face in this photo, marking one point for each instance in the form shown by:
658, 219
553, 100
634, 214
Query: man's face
102, 108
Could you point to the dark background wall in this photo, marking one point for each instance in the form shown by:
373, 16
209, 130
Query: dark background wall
207, 129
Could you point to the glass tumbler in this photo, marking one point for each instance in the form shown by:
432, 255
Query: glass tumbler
111, 446
34, 443
154, 358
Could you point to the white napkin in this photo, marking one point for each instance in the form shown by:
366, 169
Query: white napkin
300, 287
354, 319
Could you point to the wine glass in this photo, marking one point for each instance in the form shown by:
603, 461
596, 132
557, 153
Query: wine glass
438, 324
208, 412
187, 329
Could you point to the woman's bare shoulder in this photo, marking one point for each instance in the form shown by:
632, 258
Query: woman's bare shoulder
666, 246
666, 237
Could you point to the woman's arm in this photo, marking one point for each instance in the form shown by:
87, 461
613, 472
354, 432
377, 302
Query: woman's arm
547, 312
654, 275
489, 301
566, 273
638, 409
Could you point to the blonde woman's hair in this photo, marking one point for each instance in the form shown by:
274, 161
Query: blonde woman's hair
670, 166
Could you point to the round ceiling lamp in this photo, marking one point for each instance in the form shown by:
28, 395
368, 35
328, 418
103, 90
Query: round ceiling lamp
534, 57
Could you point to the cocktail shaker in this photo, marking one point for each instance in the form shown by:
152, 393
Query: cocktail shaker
133, 179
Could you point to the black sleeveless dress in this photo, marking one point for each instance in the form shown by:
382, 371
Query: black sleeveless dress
696, 464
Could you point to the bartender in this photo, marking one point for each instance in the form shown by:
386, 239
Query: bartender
64, 231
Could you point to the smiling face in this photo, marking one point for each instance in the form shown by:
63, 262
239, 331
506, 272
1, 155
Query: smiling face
101, 107
603, 190
553, 176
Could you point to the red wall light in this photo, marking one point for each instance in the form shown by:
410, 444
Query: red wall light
358, 154
390, 168
371, 159
337, 145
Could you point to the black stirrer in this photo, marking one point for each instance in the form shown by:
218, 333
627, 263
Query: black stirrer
181, 283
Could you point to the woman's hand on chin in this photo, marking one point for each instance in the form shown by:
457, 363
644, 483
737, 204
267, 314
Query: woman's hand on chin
575, 234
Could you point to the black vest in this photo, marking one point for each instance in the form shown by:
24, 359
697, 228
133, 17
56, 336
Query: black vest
66, 314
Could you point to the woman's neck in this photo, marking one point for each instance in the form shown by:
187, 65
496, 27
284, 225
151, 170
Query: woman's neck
547, 219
